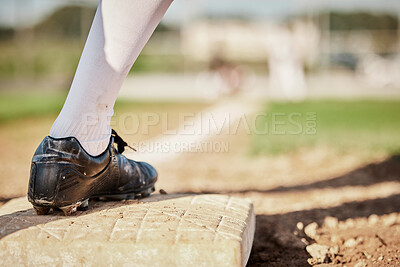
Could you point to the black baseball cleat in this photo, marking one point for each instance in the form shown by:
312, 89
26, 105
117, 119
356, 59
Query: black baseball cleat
64, 176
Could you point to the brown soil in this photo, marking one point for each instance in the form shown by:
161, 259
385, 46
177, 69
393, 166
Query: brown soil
349, 207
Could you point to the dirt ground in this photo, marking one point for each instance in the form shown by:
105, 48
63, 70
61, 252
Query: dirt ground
312, 207
315, 206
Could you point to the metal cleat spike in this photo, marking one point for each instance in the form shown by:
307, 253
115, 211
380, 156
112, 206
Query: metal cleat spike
41, 210
84, 206
71, 209
147, 192
130, 196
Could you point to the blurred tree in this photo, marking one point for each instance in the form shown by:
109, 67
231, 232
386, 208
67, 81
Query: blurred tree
362, 21
6, 34
66, 22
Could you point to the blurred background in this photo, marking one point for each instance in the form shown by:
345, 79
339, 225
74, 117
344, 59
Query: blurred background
318, 82
351, 47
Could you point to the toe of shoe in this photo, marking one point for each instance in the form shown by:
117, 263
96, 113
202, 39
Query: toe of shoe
149, 171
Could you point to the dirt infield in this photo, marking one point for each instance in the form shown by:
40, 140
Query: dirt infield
314, 206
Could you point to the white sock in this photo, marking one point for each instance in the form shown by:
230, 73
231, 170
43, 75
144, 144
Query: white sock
118, 34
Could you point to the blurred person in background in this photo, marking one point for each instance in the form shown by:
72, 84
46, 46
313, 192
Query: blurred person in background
229, 76
78, 159
287, 75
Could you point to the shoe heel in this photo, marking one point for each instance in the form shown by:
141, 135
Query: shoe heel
43, 183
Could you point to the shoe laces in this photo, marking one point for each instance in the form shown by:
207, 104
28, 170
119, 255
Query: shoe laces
121, 144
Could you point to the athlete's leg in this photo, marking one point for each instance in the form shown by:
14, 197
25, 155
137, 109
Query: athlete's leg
119, 32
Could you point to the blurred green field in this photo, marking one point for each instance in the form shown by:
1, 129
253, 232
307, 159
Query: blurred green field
368, 127
20, 105
347, 126
16, 106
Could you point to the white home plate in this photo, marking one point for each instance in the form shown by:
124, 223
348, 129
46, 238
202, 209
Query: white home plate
162, 230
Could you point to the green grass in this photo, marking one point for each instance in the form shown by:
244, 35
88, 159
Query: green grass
20, 105
14, 106
363, 126
158, 63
